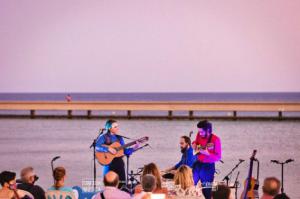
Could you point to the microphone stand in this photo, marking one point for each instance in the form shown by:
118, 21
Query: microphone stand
122, 136
52, 167
93, 145
236, 183
131, 174
227, 177
282, 166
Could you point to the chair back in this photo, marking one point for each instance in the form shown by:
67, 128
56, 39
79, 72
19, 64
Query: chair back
82, 194
59, 195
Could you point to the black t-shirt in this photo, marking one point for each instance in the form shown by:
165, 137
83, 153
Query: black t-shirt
35, 190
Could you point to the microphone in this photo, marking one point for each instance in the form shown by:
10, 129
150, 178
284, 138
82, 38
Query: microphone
241, 160
101, 131
275, 161
289, 160
191, 132
124, 137
143, 147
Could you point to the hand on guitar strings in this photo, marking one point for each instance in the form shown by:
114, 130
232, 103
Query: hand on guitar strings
112, 150
204, 151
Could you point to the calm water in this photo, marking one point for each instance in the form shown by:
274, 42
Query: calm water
25, 142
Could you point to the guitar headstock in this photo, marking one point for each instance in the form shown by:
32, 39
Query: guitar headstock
143, 139
253, 154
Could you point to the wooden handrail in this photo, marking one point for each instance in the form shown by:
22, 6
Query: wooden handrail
150, 105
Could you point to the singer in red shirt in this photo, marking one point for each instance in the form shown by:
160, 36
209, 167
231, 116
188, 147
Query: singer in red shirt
208, 148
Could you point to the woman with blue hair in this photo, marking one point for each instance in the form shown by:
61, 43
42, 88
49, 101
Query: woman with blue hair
110, 136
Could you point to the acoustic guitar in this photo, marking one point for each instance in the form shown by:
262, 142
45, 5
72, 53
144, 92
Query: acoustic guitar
209, 146
251, 184
105, 158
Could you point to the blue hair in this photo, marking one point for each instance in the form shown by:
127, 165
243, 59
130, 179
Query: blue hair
108, 124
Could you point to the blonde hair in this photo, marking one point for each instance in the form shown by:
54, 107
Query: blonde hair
58, 174
184, 177
153, 169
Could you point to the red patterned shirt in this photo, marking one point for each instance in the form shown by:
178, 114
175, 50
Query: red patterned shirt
213, 147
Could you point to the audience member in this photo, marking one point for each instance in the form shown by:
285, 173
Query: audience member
111, 191
270, 188
59, 175
184, 183
28, 179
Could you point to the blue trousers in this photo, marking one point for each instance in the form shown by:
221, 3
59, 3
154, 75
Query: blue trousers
205, 173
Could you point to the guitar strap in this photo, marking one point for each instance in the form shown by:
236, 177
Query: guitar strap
209, 139
119, 138
107, 138
102, 195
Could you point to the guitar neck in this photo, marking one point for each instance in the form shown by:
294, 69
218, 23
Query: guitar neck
127, 145
141, 140
249, 175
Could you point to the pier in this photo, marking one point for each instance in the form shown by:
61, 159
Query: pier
231, 108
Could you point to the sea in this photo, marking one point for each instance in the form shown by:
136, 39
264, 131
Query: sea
35, 142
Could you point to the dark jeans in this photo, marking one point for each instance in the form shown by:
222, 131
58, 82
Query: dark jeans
118, 166
205, 173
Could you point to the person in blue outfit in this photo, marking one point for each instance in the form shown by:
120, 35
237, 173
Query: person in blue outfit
110, 136
187, 157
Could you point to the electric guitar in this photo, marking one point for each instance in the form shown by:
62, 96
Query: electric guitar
105, 158
251, 184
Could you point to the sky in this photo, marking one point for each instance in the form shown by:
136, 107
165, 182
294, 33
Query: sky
149, 46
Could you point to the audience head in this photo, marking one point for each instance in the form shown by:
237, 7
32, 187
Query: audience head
148, 183
205, 128
111, 179
221, 192
184, 177
59, 175
8, 179
153, 169
28, 175
271, 186
185, 142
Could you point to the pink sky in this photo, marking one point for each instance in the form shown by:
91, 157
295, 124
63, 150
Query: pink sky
149, 46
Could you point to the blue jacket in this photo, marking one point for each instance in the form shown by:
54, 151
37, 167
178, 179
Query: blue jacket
187, 158
113, 138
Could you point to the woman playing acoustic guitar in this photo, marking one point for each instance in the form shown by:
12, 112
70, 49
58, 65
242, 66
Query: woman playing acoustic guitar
102, 145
